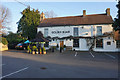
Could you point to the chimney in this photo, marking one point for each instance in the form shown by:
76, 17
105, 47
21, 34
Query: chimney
108, 11
84, 12
42, 16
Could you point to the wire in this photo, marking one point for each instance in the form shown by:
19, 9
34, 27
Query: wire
23, 4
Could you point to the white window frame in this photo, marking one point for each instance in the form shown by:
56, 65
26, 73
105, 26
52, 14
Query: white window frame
100, 30
74, 32
45, 32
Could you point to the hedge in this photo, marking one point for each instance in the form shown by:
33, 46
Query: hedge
4, 41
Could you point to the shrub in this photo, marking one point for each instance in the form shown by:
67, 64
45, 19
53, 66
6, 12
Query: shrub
34, 47
64, 46
44, 49
13, 39
61, 47
57, 46
4, 41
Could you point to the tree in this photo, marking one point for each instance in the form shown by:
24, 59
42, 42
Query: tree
50, 14
4, 41
4, 19
28, 23
116, 24
13, 39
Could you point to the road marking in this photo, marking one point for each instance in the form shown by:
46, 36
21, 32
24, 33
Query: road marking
109, 55
76, 54
92, 55
2, 64
14, 73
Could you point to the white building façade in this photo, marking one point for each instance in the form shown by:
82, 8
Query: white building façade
75, 32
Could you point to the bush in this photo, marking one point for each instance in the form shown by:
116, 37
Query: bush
13, 39
34, 47
44, 49
64, 46
61, 47
4, 41
57, 46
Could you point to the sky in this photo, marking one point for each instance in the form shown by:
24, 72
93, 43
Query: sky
60, 8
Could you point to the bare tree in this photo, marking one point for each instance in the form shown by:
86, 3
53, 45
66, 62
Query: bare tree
50, 14
4, 17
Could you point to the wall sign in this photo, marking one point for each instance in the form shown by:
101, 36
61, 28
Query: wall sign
53, 32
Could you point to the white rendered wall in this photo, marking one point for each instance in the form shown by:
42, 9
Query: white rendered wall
84, 30
105, 28
82, 45
68, 42
60, 28
107, 48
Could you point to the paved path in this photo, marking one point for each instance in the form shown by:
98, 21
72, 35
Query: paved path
18, 64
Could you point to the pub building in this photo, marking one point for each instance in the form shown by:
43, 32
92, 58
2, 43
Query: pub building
76, 32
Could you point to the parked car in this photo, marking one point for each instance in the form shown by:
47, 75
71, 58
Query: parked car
19, 46
25, 45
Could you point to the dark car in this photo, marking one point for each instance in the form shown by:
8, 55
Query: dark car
19, 46
25, 45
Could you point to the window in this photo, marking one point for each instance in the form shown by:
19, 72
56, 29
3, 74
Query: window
75, 42
99, 43
53, 39
108, 43
99, 30
75, 31
46, 44
108, 37
45, 32
118, 44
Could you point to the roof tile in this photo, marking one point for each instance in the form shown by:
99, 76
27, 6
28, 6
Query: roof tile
77, 20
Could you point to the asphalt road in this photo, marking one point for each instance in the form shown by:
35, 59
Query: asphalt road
69, 64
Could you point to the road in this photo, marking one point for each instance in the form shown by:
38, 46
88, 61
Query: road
69, 64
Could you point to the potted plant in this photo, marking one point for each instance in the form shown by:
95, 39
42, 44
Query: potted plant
61, 49
37, 51
28, 49
53, 47
33, 48
40, 51
44, 50
57, 47
64, 47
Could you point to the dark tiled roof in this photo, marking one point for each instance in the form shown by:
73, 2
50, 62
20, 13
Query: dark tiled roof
77, 20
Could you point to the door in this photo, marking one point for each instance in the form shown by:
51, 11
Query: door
61, 43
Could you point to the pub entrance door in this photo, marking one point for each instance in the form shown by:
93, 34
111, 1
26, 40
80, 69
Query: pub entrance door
61, 43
